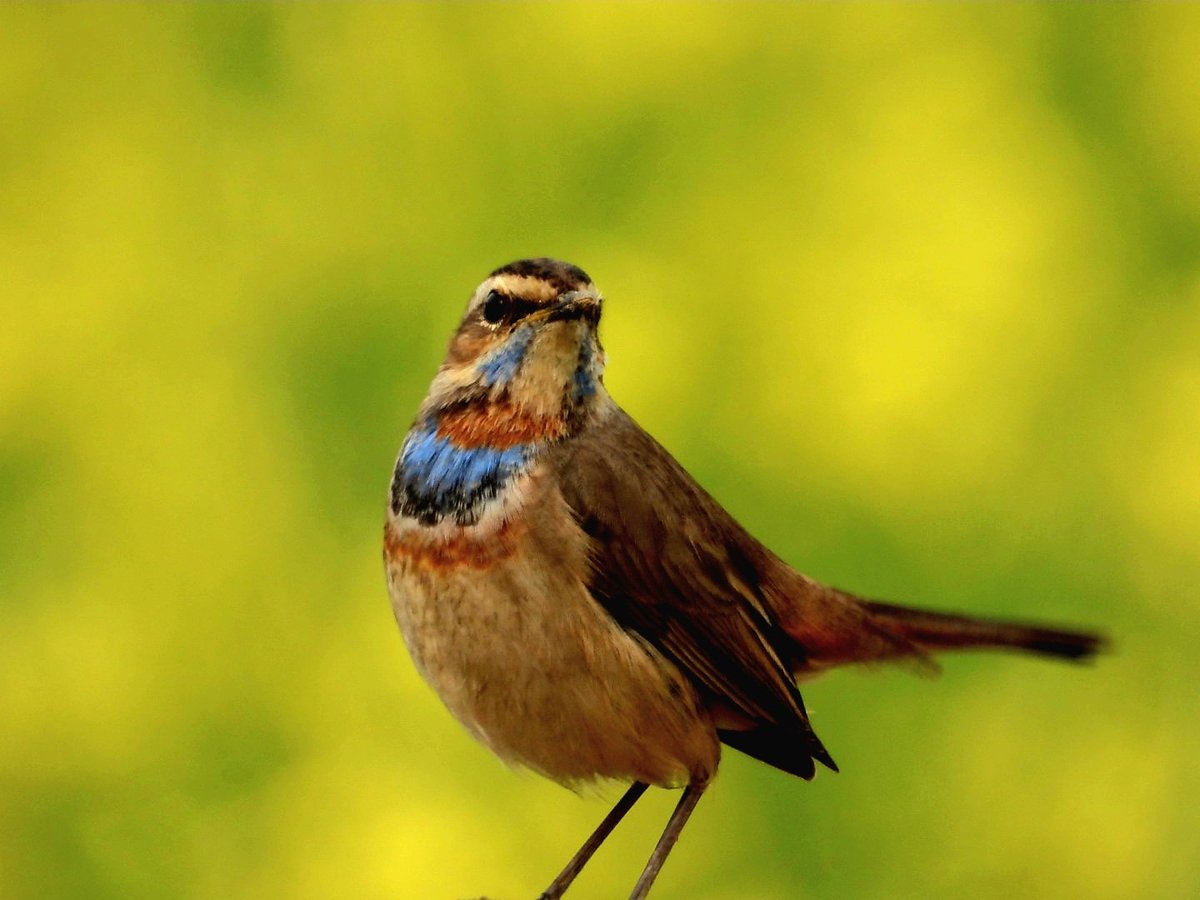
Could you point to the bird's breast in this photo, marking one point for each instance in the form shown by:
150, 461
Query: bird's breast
498, 617
495, 533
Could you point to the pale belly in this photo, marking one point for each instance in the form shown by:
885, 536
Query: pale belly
509, 638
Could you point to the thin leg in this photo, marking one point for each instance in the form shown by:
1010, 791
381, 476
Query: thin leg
687, 803
592, 844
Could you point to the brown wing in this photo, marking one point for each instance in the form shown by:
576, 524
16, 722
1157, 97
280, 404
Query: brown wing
671, 564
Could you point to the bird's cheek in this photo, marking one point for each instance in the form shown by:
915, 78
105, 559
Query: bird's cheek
467, 346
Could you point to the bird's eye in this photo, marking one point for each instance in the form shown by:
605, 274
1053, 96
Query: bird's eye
498, 308
495, 307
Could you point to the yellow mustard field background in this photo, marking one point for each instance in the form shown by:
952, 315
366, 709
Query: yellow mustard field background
914, 290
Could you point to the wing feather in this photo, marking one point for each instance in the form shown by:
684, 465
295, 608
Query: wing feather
672, 565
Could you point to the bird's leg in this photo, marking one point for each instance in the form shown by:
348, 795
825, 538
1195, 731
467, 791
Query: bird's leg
592, 844
687, 803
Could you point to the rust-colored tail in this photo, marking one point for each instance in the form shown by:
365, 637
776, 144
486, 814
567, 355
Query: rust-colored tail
935, 631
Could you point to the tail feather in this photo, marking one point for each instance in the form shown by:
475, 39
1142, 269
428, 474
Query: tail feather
934, 631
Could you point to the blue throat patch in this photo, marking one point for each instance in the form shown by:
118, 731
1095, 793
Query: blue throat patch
434, 478
585, 375
502, 364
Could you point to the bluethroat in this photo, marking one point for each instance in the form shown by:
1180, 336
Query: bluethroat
581, 604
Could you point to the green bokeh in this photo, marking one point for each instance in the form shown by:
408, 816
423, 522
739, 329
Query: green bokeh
914, 290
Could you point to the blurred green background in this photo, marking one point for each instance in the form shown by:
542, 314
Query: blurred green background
915, 291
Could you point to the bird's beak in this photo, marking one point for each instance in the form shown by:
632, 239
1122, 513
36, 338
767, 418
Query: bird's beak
575, 305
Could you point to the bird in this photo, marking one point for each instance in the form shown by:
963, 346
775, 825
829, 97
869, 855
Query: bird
582, 605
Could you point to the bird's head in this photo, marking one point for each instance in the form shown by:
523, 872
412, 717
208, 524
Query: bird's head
527, 344
523, 370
